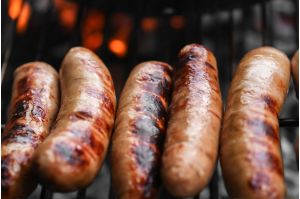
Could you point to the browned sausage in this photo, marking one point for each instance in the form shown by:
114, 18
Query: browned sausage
249, 145
139, 131
34, 104
295, 71
72, 155
191, 147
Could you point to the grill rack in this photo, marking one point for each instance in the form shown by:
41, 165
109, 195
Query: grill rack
266, 39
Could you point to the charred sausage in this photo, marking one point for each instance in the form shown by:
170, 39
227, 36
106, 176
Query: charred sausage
249, 146
72, 155
295, 71
33, 107
191, 147
139, 131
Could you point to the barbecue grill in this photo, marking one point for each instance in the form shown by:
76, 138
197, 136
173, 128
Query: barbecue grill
124, 33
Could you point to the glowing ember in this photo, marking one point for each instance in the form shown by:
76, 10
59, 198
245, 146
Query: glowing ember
14, 8
118, 47
67, 12
93, 41
149, 24
91, 31
24, 18
177, 22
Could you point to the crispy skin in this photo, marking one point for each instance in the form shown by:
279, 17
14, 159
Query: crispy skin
295, 71
249, 145
139, 131
33, 107
191, 147
73, 154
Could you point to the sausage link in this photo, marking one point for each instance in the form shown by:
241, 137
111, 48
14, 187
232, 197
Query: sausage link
295, 71
72, 155
34, 104
249, 145
191, 146
139, 131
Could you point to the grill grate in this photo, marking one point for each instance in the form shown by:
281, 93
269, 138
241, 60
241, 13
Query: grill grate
148, 8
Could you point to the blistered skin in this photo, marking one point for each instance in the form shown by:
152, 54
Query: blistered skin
249, 145
190, 150
295, 71
73, 154
139, 131
34, 104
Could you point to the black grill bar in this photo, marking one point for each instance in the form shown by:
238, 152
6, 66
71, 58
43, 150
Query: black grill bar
11, 30
289, 122
10, 34
81, 194
46, 194
44, 32
214, 185
231, 44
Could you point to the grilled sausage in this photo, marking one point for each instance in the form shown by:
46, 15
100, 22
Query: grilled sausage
139, 131
295, 71
249, 145
73, 154
191, 146
34, 104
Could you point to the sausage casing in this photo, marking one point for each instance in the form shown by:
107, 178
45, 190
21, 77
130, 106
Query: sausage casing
295, 71
140, 130
72, 155
191, 147
249, 145
33, 107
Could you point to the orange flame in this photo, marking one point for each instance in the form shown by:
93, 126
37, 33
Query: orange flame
118, 47
122, 27
24, 18
149, 24
14, 8
92, 30
177, 22
67, 11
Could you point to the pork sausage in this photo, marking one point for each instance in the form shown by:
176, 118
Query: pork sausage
295, 71
72, 155
33, 107
139, 131
249, 146
191, 147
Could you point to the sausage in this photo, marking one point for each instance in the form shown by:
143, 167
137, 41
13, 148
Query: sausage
72, 155
249, 146
33, 107
191, 147
139, 131
295, 71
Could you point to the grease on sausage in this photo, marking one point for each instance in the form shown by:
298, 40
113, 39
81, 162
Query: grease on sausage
34, 104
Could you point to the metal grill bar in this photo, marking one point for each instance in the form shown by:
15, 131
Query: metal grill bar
10, 42
264, 22
81, 194
46, 194
289, 122
214, 185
